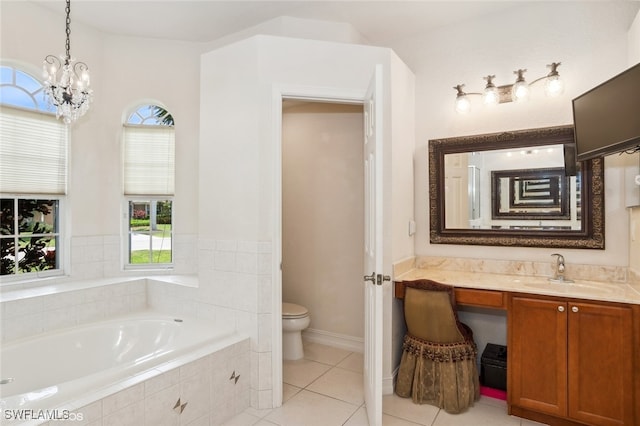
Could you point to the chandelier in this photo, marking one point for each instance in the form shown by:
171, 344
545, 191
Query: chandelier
67, 82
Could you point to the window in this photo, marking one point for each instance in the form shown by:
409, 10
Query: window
33, 177
149, 151
150, 223
29, 235
19, 89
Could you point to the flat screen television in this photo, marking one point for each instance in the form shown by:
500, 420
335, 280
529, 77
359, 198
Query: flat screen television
607, 117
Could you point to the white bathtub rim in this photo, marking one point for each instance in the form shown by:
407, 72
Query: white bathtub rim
228, 338
105, 391
150, 373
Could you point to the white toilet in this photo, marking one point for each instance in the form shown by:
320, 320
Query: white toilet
295, 318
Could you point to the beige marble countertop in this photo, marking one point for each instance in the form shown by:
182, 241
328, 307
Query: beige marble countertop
580, 289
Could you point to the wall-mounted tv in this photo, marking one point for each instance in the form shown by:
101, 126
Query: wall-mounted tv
607, 117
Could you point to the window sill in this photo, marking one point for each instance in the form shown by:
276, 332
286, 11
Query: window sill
49, 286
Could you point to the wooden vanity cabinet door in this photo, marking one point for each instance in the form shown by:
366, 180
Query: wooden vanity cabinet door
537, 355
601, 364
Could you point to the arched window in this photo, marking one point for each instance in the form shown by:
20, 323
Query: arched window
33, 176
149, 176
19, 89
151, 115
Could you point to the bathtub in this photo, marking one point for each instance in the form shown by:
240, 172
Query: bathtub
77, 366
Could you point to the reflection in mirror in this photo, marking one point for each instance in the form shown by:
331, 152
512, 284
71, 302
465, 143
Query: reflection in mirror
512, 189
536, 195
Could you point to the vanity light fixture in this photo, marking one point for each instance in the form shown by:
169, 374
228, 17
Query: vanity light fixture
518, 91
67, 84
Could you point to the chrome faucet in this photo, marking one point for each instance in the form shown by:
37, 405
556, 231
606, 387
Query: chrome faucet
558, 275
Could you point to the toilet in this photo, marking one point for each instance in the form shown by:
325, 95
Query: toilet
295, 318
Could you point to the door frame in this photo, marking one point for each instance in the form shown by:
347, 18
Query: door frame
312, 94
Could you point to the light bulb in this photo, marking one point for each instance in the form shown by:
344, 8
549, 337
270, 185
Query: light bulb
520, 91
554, 86
491, 96
462, 104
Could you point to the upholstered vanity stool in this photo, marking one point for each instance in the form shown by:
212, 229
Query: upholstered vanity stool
438, 365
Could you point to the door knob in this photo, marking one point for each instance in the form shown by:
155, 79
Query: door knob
574, 309
382, 278
371, 277
561, 308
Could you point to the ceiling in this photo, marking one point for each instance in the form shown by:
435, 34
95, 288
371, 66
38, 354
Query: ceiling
380, 22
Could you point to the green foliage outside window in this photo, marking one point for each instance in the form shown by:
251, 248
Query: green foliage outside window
28, 231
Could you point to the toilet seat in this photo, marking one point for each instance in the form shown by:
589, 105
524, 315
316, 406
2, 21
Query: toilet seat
292, 311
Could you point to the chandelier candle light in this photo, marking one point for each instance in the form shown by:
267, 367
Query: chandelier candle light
67, 81
518, 92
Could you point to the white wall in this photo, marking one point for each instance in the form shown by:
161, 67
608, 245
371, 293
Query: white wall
323, 217
590, 39
239, 146
634, 41
286, 26
401, 209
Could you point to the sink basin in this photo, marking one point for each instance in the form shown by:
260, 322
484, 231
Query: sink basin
571, 287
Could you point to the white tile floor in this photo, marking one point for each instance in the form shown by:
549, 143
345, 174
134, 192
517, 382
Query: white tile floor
325, 389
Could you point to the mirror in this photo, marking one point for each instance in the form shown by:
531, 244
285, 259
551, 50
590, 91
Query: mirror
542, 193
512, 189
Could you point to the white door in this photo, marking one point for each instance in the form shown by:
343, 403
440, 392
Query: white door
456, 191
373, 249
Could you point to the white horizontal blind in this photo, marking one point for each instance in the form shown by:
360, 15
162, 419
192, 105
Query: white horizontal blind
149, 160
33, 152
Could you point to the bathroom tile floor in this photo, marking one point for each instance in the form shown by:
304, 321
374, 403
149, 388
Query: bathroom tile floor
326, 389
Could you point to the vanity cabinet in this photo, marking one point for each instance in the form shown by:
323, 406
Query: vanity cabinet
572, 361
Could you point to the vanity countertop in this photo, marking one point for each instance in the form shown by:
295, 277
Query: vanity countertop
581, 289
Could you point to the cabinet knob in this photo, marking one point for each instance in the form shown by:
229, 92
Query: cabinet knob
574, 309
561, 308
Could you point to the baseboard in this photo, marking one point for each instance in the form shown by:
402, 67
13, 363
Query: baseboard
341, 341
388, 382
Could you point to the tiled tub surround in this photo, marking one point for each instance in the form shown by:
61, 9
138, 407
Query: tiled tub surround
61, 304
234, 287
139, 369
605, 283
99, 256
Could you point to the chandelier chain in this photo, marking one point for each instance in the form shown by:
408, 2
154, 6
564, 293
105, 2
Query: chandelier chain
68, 31
67, 83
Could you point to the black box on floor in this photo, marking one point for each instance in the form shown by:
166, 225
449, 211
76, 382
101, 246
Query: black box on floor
493, 366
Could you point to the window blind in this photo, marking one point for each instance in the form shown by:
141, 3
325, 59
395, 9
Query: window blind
33, 152
149, 160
